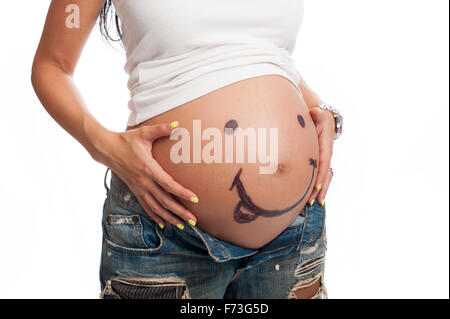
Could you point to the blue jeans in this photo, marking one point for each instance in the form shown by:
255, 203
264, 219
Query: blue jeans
140, 260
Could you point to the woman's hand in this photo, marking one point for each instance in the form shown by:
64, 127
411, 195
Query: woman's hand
325, 126
129, 155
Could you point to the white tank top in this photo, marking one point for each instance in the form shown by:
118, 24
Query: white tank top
180, 50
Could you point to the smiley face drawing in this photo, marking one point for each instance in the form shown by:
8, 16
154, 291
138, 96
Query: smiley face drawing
246, 202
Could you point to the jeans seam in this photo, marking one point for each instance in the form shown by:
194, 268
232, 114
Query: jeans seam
321, 229
306, 222
303, 230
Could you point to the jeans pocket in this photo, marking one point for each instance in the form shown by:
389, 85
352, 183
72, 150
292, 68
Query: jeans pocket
129, 231
125, 231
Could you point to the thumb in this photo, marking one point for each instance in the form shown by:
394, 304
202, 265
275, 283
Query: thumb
154, 132
317, 114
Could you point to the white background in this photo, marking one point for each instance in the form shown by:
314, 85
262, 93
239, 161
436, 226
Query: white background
383, 63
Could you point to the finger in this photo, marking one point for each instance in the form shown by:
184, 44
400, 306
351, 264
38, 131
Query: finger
155, 207
153, 132
324, 190
169, 184
325, 153
168, 202
161, 222
317, 115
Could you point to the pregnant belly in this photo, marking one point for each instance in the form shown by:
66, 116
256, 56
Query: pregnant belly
256, 165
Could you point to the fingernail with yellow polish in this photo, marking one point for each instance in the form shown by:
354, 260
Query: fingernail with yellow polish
319, 187
180, 226
312, 202
191, 222
174, 124
194, 199
161, 225
323, 202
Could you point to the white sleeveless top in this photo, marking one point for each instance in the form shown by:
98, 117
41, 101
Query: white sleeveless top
179, 50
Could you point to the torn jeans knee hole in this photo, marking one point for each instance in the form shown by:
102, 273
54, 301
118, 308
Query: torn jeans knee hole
307, 274
320, 293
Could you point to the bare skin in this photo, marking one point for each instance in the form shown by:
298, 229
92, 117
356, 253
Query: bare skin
308, 292
237, 203
325, 126
129, 153
126, 153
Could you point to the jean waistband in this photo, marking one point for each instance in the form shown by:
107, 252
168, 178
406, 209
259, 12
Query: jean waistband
219, 250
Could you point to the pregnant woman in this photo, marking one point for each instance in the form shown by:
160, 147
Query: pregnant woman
218, 182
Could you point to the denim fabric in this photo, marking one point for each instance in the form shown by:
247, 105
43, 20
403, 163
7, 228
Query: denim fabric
140, 260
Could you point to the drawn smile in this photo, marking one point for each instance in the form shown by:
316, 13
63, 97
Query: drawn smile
256, 211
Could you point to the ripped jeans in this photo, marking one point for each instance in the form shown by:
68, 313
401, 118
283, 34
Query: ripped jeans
141, 261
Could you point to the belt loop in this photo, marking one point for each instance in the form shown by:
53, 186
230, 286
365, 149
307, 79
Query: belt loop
104, 182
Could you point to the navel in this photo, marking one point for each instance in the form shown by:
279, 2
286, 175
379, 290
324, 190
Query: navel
282, 166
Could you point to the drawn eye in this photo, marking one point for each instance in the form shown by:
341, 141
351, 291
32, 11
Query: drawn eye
231, 126
301, 120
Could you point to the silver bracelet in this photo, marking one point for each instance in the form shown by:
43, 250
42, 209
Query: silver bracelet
338, 119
